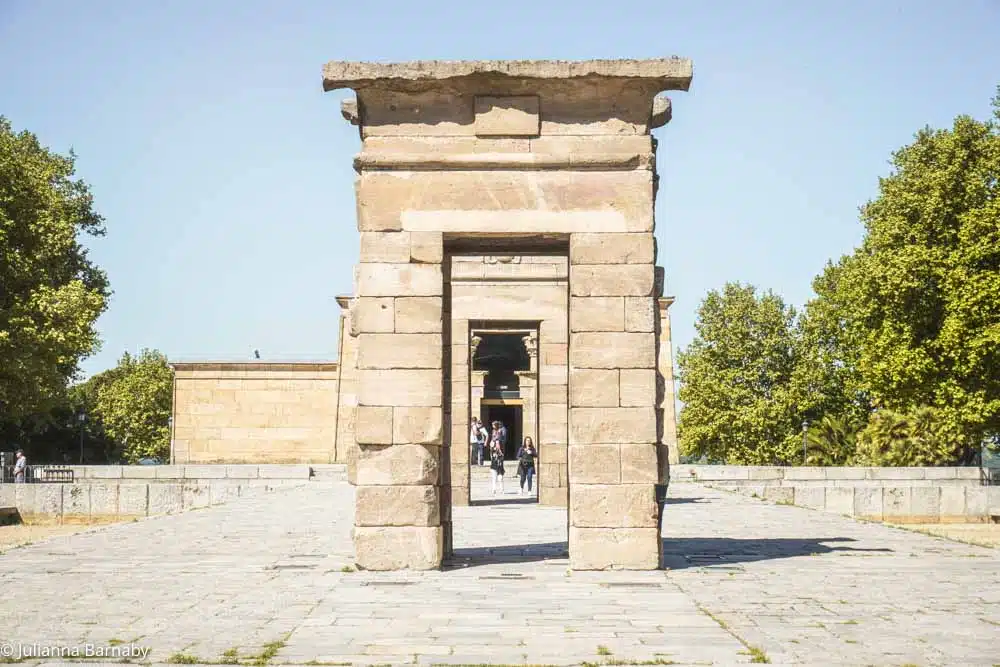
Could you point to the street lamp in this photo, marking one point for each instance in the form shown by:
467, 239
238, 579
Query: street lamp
82, 418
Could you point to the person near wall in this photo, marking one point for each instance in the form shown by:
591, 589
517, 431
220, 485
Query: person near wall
20, 467
496, 463
526, 463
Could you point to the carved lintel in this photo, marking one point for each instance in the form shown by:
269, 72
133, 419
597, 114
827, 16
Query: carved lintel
502, 259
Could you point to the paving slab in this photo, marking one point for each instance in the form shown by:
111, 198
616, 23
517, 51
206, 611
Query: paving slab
746, 579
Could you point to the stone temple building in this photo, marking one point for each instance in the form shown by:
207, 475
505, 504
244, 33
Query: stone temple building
507, 270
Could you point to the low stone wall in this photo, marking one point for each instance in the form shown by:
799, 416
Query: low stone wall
894, 495
102, 493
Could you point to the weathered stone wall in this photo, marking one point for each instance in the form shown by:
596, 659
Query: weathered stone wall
123, 492
255, 413
895, 495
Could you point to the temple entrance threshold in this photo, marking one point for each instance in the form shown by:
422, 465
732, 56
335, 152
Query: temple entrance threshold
509, 416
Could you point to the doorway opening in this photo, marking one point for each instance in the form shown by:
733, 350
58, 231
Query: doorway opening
511, 417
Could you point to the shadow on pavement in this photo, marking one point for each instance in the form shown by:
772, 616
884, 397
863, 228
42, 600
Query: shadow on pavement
685, 552
523, 500
518, 553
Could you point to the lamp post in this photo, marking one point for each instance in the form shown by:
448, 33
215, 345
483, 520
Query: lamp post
82, 417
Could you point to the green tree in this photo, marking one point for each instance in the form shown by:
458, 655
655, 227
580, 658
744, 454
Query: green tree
133, 403
923, 437
52, 294
912, 317
741, 405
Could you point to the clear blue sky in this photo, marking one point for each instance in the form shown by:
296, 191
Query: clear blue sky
225, 173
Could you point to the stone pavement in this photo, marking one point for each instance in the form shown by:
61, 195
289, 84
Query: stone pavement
748, 579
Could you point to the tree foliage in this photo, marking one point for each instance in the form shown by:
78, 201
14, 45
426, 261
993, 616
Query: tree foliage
133, 402
51, 293
740, 402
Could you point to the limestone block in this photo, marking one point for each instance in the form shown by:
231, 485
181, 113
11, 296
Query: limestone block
952, 503
385, 247
553, 496
104, 499
639, 464
550, 374
840, 500
417, 425
426, 247
925, 504
612, 350
196, 495
204, 472
385, 351
595, 464
612, 505
593, 387
553, 432
976, 502
414, 314
507, 116
637, 387
554, 453
373, 425
397, 465
372, 315
76, 500
460, 474
610, 280
640, 314
597, 313
554, 353
242, 471
614, 548
399, 387
779, 494
398, 547
133, 499
554, 329
48, 498
628, 248
396, 506
589, 426
399, 280
165, 498
896, 502
812, 497
553, 393
868, 503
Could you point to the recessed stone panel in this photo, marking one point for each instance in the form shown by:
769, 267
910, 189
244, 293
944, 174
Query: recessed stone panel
509, 116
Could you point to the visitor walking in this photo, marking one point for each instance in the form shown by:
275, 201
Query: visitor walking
477, 440
526, 463
496, 464
20, 467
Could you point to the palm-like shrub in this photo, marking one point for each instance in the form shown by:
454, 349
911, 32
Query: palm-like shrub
917, 438
831, 442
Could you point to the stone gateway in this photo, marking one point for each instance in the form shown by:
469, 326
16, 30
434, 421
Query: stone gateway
506, 272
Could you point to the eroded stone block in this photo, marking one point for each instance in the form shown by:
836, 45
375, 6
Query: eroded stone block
640, 314
612, 350
399, 387
372, 315
595, 464
613, 505
373, 425
398, 547
614, 548
385, 247
637, 387
639, 463
165, 498
589, 426
417, 425
597, 313
508, 116
620, 248
399, 280
396, 506
385, 351
397, 465
418, 315
133, 499
76, 500
426, 247
611, 280
593, 387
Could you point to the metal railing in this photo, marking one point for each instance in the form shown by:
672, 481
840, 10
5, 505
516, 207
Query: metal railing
989, 476
40, 474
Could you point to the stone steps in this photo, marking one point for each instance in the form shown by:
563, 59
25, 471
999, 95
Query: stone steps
328, 472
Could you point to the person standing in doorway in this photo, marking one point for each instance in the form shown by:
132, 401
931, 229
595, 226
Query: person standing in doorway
526, 463
476, 442
496, 463
20, 467
483, 436
503, 436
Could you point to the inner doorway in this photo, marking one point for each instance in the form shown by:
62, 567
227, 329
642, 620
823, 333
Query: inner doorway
510, 416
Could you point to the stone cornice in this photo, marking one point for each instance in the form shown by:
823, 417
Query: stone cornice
662, 73
503, 161
300, 366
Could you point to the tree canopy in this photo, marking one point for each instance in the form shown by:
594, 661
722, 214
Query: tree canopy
51, 293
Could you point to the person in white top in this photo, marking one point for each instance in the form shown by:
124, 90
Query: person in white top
477, 439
